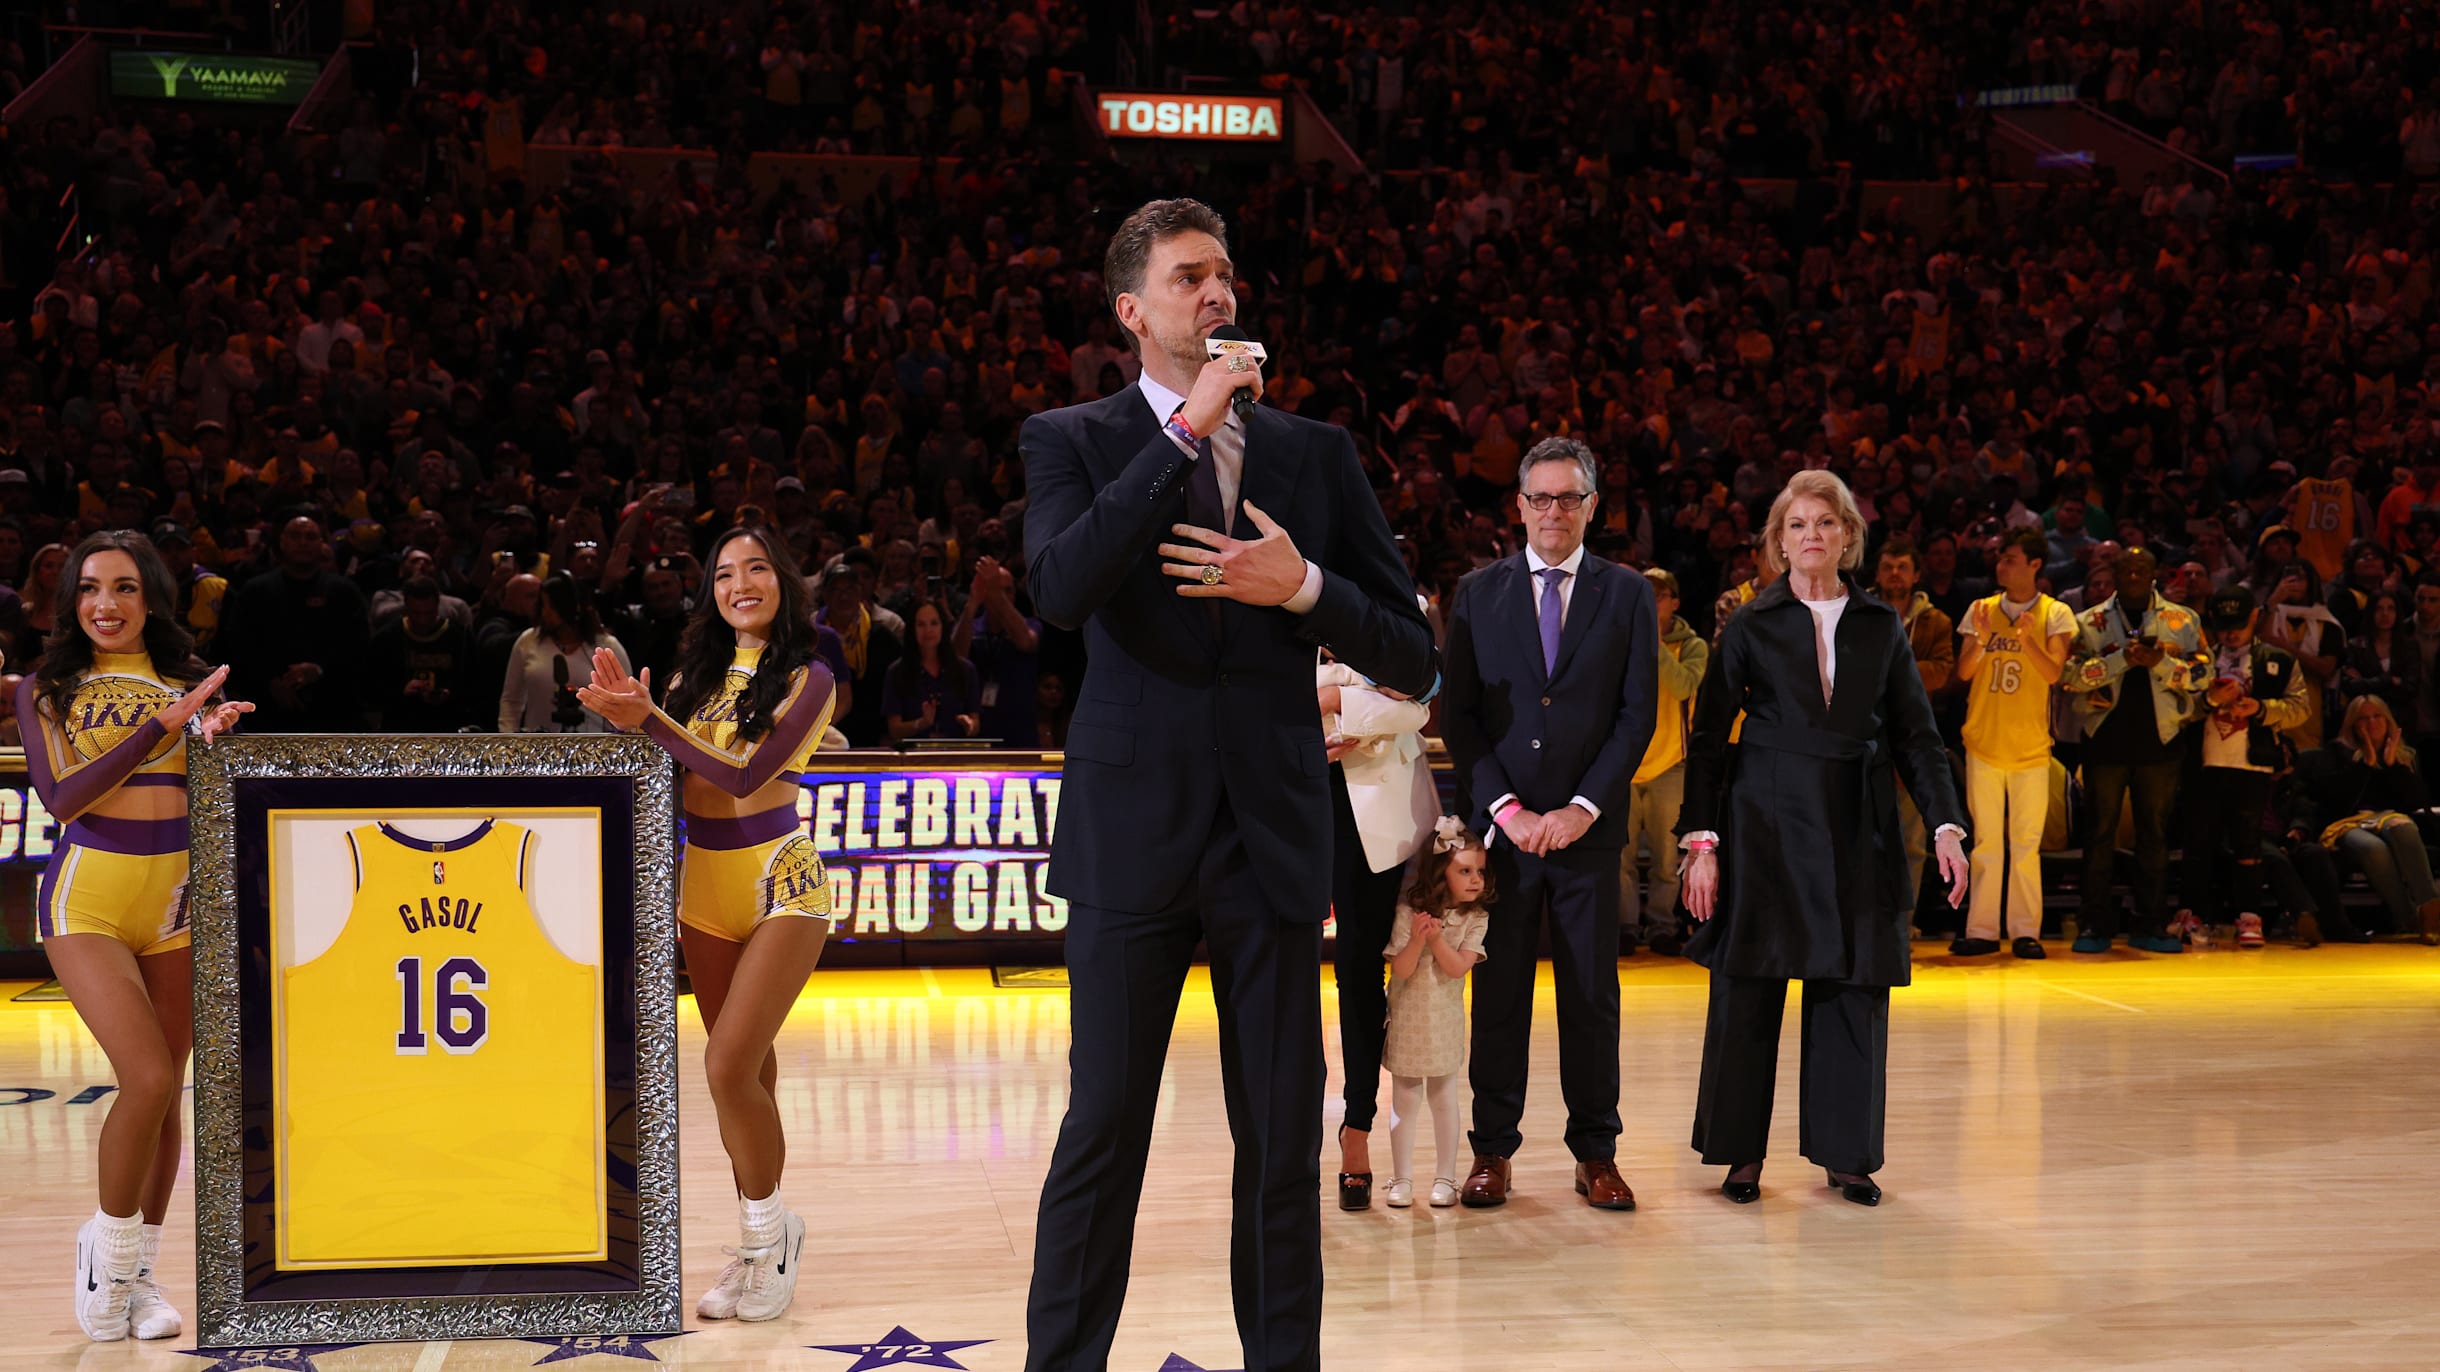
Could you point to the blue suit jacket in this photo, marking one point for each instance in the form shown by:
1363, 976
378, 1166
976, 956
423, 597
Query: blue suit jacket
1183, 702
1549, 736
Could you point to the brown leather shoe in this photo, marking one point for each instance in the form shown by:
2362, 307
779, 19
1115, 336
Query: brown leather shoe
1602, 1187
1487, 1184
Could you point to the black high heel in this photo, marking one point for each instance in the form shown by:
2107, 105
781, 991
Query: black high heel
1743, 1191
1856, 1190
1355, 1188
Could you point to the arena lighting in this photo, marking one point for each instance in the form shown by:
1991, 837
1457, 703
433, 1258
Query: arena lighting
1214, 118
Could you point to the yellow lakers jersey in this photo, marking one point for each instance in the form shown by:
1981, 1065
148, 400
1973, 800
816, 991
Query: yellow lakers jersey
2008, 705
111, 701
715, 720
2325, 524
439, 1085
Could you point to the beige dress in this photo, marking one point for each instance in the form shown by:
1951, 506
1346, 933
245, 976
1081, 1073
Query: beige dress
1427, 1011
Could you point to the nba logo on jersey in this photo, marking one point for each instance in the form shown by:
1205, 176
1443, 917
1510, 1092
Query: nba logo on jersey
438, 1083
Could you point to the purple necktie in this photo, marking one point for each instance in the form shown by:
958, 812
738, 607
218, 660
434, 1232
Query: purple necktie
1552, 578
1203, 490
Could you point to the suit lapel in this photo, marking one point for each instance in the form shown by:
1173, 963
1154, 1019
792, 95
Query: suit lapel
1269, 472
1526, 626
1121, 429
1583, 610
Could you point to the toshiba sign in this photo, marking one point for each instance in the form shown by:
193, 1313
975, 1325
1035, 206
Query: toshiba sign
1229, 118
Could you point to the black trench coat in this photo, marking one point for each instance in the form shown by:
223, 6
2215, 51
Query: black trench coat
1812, 868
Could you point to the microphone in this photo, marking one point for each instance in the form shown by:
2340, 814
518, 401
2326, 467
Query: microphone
1229, 340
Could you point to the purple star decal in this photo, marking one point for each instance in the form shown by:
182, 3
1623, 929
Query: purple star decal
1178, 1363
898, 1348
295, 1357
637, 1346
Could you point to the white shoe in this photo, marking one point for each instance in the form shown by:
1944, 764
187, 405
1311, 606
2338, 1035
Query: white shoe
1444, 1193
2249, 931
101, 1298
720, 1303
769, 1281
1399, 1194
149, 1316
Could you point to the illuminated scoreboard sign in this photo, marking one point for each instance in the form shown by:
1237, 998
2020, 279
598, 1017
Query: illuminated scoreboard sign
1211, 118
949, 854
28, 835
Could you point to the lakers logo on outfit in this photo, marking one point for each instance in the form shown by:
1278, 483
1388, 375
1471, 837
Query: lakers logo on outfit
440, 1023
107, 707
794, 879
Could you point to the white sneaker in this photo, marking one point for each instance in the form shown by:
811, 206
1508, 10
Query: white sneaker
101, 1298
149, 1315
768, 1283
720, 1303
1444, 1193
1399, 1194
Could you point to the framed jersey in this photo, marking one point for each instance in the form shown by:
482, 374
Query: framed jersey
436, 1033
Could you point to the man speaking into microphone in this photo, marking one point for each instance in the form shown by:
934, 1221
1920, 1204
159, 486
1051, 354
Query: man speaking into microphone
1206, 547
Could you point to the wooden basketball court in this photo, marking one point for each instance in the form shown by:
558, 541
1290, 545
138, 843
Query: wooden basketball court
2222, 1160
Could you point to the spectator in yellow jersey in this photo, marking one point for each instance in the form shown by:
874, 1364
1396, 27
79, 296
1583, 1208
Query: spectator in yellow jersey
1660, 782
2015, 646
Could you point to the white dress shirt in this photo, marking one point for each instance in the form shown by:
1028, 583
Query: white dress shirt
1573, 565
1228, 452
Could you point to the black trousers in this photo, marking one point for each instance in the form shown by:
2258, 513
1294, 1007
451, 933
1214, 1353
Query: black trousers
1366, 904
1125, 971
2107, 786
1581, 902
2222, 875
1843, 1086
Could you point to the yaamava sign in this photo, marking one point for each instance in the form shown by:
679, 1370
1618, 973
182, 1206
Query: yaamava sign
218, 77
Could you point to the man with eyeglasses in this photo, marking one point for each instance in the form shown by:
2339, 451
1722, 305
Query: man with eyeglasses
1551, 698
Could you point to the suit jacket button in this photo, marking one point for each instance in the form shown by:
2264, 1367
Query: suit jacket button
1546, 700
1537, 743
1224, 678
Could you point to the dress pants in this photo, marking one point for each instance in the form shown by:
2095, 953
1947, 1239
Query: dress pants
2107, 787
1843, 1088
2008, 807
1125, 971
1581, 899
1366, 904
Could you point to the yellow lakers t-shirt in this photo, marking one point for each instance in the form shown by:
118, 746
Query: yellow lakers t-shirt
2007, 703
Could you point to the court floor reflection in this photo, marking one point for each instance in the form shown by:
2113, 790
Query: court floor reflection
2221, 1160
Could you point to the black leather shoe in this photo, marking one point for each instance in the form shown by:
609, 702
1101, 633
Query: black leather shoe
1856, 1190
1669, 946
2029, 949
1973, 947
1744, 1192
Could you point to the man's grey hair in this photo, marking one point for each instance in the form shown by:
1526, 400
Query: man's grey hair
1563, 450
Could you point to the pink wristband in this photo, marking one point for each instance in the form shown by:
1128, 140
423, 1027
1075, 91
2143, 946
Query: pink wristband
1506, 810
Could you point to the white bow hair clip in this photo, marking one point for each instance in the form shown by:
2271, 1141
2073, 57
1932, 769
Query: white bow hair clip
1447, 833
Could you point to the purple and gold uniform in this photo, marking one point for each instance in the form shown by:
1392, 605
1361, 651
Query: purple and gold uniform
123, 878
742, 869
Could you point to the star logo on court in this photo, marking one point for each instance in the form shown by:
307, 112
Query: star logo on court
1178, 1363
898, 1348
295, 1357
636, 1346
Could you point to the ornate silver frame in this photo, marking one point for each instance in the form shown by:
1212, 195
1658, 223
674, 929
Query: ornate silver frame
224, 1318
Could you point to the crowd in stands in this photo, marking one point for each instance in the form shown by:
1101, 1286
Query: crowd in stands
418, 434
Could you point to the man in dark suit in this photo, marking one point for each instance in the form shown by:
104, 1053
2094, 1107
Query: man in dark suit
1553, 662
1197, 804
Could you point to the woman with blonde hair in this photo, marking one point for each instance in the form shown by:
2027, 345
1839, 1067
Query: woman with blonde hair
2365, 790
1796, 869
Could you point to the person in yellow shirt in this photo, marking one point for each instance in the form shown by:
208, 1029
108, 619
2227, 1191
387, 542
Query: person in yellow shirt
1660, 783
2014, 647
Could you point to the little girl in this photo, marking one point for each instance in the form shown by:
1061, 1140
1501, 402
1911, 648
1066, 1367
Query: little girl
1435, 942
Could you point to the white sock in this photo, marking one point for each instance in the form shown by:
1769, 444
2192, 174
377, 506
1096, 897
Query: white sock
119, 1241
152, 1250
761, 1220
